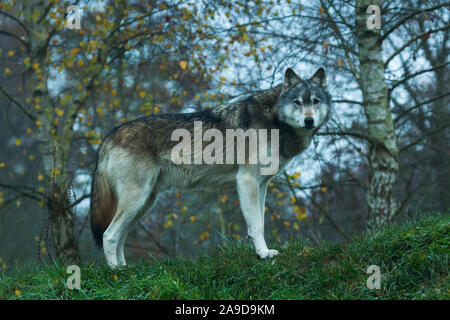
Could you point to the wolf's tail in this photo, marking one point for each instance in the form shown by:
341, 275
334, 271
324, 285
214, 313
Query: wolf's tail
103, 205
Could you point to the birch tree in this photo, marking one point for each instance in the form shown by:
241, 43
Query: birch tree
382, 148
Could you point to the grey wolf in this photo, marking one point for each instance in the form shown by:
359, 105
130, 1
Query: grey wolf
134, 161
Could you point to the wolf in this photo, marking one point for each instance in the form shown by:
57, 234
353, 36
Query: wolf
134, 161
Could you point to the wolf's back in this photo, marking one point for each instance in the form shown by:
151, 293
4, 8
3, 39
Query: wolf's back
103, 203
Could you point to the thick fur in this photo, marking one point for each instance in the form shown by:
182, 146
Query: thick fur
134, 161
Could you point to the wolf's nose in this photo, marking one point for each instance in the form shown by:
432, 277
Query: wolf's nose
309, 122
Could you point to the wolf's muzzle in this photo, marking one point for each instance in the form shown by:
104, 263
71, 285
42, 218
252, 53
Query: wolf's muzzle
309, 122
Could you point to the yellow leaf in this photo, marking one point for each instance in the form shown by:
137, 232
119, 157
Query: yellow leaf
95, 141
168, 224
55, 172
10, 53
183, 64
18, 142
59, 112
99, 111
296, 175
192, 218
301, 216
7, 71
40, 177
142, 94
2, 164
74, 51
204, 236
339, 62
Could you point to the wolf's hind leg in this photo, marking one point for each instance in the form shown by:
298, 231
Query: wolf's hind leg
120, 250
133, 200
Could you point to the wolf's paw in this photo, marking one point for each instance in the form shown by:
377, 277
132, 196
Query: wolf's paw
268, 254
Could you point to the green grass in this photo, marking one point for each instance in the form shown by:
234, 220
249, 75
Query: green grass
413, 258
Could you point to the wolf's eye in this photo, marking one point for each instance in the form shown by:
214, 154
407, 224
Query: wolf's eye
297, 102
316, 101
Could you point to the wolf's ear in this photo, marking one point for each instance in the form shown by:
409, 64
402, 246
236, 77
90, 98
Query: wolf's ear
290, 78
319, 78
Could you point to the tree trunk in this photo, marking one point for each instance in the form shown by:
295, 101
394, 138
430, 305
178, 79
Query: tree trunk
54, 145
62, 226
57, 201
383, 151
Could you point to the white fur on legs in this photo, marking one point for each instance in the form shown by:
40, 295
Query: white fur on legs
112, 237
120, 252
262, 201
262, 198
248, 183
132, 204
110, 249
151, 200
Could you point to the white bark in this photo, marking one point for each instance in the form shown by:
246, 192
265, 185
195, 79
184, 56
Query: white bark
383, 151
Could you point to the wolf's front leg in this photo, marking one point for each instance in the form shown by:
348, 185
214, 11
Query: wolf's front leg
248, 190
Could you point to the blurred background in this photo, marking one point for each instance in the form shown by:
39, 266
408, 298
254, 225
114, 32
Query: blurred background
383, 157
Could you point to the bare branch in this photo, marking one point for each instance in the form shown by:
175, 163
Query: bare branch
78, 201
12, 35
32, 194
27, 112
398, 83
16, 20
410, 41
419, 105
409, 16
325, 214
428, 134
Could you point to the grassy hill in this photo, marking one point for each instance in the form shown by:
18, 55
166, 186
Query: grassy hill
413, 257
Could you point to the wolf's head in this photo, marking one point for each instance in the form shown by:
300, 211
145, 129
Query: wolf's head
304, 103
